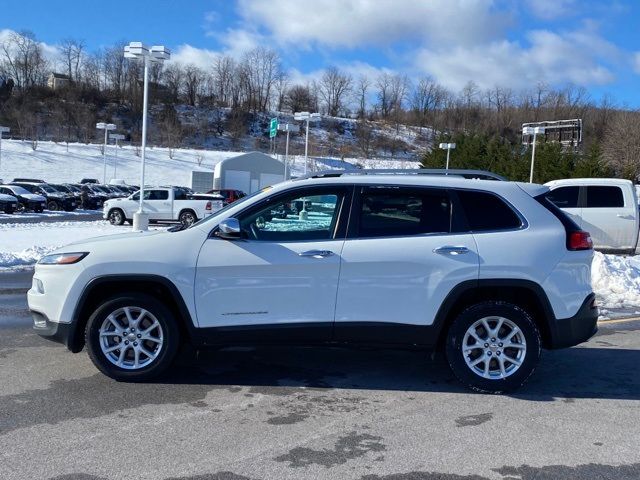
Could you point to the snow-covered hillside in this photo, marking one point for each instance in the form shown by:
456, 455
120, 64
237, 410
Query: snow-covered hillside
54, 162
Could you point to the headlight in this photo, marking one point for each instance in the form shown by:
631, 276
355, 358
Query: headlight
62, 258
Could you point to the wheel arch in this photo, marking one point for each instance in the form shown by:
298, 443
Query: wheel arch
523, 293
188, 209
100, 288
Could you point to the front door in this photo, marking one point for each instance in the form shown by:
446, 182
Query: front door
280, 280
399, 263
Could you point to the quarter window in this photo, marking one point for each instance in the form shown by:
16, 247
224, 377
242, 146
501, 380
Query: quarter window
604, 197
486, 212
564, 197
401, 212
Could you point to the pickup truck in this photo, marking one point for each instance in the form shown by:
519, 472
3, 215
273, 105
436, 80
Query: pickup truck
607, 208
163, 204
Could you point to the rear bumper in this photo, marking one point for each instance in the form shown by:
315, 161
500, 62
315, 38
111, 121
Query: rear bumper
57, 332
567, 332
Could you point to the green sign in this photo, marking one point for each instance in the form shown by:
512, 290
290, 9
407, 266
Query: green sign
273, 127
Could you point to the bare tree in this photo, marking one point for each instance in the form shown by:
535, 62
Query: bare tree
362, 89
621, 146
23, 59
71, 53
334, 86
383, 86
261, 68
193, 77
299, 99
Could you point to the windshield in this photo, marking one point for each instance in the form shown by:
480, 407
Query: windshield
18, 190
229, 207
48, 189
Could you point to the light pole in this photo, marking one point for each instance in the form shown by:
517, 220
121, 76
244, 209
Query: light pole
448, 147
116, 137
7, 129
106, 127
287, 127
157, 53
532, 131
313, 117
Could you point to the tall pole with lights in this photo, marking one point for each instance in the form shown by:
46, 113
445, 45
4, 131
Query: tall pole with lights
115, 137
157, 53
535, 131
308, 117
448, 147
107, 127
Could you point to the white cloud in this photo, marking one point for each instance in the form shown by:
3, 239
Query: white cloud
551, 9
636, 62
578, 57
189, 55
378, 22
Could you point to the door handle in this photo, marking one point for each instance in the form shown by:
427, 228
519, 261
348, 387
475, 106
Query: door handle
626, 217
316, 253
451, 250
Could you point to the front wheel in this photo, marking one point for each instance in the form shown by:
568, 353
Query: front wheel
53, 206
116, 217
493, 347
132, 338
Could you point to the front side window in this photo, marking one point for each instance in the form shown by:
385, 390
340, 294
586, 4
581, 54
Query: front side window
403, 211
564, 197
152, 195
294, 217
604, 197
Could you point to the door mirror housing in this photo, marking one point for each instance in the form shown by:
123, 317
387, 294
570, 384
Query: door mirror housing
229, 229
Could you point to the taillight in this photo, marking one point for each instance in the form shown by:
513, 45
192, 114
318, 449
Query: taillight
579, 240
208, 207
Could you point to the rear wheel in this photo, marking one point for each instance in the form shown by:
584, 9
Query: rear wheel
187, 218
493, 347
116, 217
53, 205
132, 338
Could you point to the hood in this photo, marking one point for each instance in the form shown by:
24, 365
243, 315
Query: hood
33, 196
119, 236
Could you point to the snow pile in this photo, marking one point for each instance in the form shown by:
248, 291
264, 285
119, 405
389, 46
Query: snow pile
616, 280
24, 244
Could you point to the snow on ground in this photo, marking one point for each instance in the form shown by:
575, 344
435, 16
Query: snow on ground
54, 163
616, 281
47, 214
23, 244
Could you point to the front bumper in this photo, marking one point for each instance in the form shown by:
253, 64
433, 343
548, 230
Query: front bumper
57, 332
567, 332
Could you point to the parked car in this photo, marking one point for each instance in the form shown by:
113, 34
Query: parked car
69, 191
489, 271
56, 200
162, 204
26, 200
8, 203
30, 180
229, 195
606, 207
89, 180
89, 199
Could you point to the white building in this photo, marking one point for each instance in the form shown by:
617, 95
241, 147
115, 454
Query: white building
249, 172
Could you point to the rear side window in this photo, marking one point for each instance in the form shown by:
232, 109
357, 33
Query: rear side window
604, 197
401, 212
485, 212
564, 197
157, 195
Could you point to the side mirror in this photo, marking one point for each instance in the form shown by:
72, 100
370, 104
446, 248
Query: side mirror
229, 229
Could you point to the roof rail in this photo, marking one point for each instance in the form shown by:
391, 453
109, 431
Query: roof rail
469, 174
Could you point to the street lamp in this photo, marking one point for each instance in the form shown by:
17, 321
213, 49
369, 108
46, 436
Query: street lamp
7, 129
306, 116
156, 54
448, 147
116, 137
106, 127
287, 127
532, 131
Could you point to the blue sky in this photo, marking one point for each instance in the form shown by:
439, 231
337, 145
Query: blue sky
511, 43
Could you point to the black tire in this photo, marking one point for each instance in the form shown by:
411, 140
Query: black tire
53, 205
170, 335
187, 218
22, 207
457, 359
116, 216
130, 222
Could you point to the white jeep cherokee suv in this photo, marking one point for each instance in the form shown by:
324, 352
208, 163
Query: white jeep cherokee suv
490, 271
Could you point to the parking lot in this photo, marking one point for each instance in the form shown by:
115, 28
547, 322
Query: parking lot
273, 413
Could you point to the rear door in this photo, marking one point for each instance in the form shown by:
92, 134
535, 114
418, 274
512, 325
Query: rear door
399, 263
610, 217
568, 199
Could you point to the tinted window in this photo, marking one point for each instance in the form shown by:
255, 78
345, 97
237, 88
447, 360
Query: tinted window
564, 197
400, 212
603, 197
156, 195
485, 211
281, 220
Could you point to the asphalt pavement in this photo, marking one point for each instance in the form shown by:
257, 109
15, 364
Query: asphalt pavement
311, 413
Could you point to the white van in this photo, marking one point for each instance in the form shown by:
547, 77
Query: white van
605, 207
